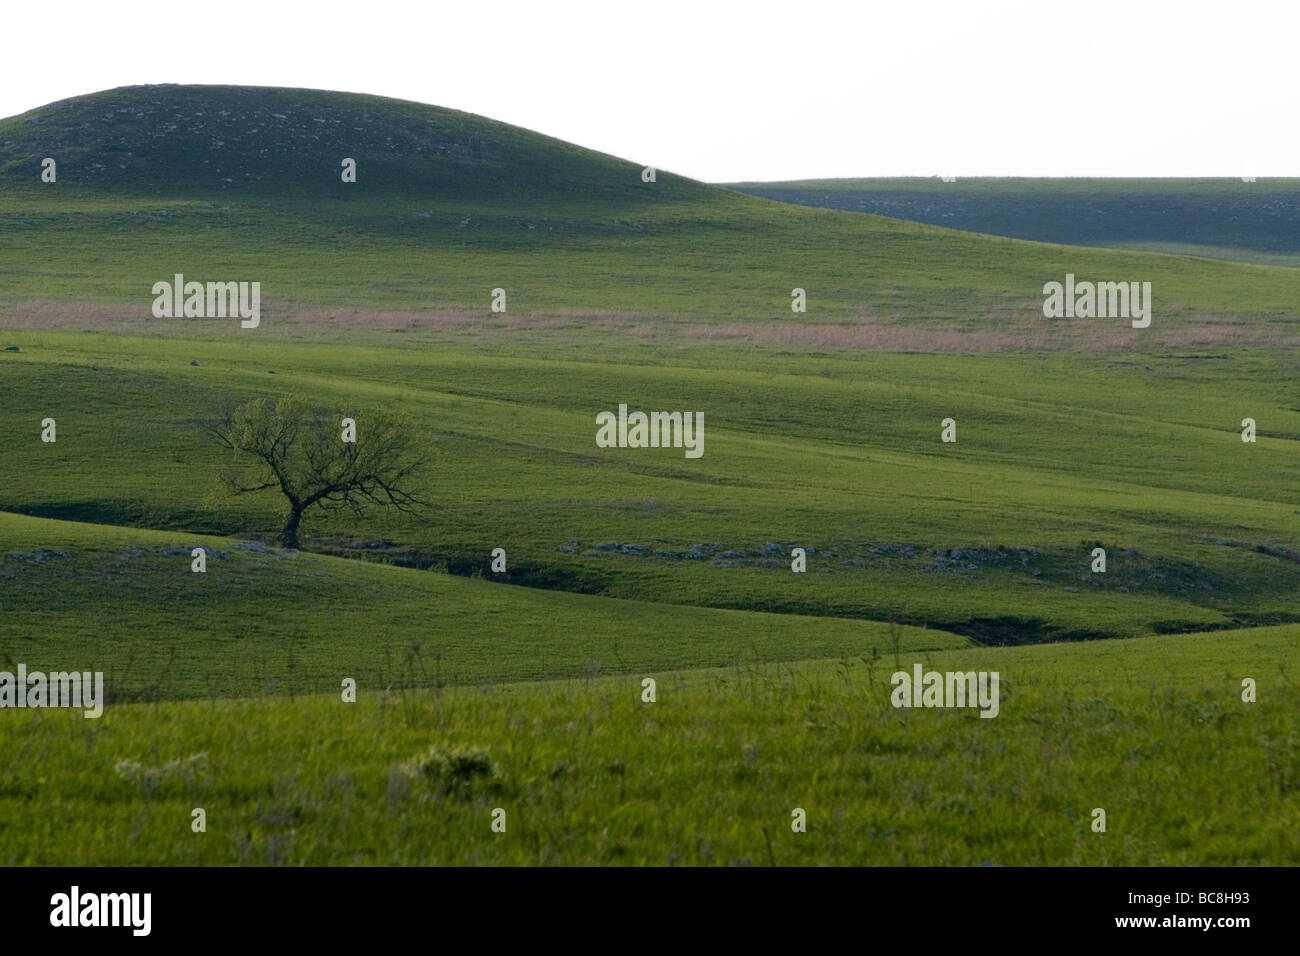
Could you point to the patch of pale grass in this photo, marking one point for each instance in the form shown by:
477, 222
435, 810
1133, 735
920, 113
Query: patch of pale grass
999, 329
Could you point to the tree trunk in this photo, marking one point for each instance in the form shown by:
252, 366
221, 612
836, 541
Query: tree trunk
289, 535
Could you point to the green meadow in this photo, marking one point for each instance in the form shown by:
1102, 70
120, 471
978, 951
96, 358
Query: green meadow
1151, 731
521, 689
1228, 218
840, 455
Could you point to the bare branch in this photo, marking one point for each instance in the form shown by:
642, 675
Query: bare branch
288, 445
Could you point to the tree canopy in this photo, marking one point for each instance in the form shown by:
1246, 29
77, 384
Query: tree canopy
300, 449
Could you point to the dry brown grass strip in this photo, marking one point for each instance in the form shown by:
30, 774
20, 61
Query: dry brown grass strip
1001, 330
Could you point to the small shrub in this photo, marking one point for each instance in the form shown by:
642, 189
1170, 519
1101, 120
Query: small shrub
456, 770
184, 774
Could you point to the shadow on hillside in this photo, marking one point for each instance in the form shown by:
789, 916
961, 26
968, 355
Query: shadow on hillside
125, 514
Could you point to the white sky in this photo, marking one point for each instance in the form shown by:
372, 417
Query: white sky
747, 90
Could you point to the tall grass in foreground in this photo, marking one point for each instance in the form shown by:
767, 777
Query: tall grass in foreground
707, 774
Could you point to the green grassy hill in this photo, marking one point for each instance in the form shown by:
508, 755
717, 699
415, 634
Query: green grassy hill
274, 143
1219, 218
990, 536
673, 294
453, 206
264, 620
822, 432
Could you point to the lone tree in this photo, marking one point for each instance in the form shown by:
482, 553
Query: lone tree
300, 449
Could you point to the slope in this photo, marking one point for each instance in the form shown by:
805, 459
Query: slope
264, 621
991, 535
447, 207
1226, 219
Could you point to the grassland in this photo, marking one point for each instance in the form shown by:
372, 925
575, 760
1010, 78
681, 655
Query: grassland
990, 536
1152, 731
1225, 218
453, 206
822, 431
269, 621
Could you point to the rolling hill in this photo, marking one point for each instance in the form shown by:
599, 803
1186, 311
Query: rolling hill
666, 294
447, 207
990, 536
1226, 219
271, 142
523, 690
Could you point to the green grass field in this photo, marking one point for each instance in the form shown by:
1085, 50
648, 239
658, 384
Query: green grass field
1228, 219
1152, 731
993, 533
1121, 690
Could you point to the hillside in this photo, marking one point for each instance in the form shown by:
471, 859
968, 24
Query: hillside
453, 206
989, 536
266, 621
219, 141
521, 689
674, 297
1226, 219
